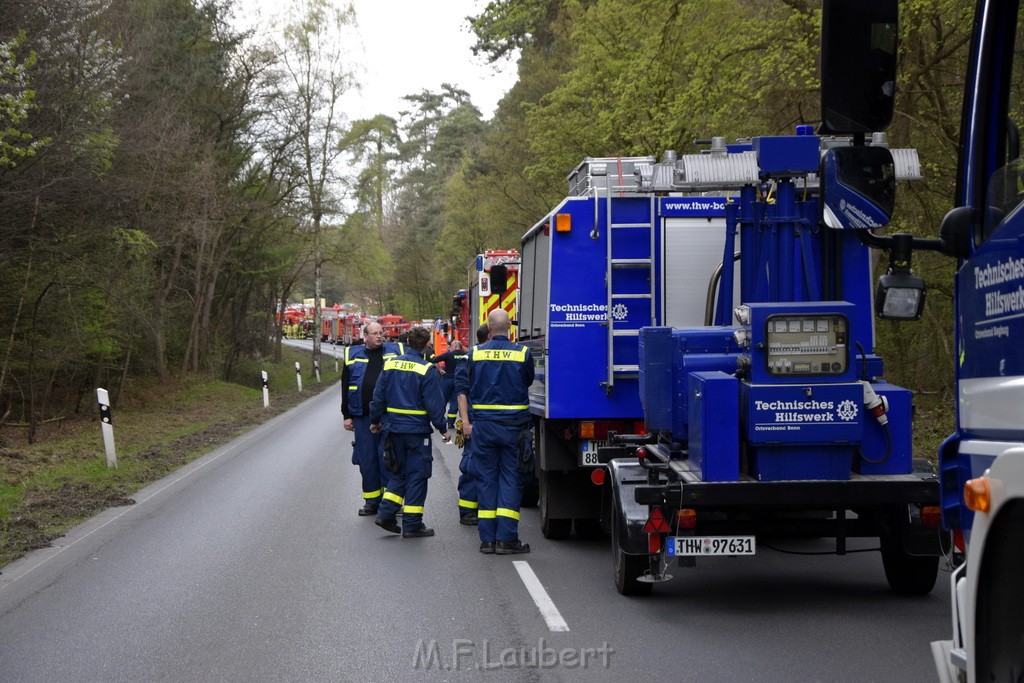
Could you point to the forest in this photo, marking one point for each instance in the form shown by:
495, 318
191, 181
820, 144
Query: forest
166, 180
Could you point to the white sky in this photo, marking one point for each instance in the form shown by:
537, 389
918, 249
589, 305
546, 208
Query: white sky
409, 45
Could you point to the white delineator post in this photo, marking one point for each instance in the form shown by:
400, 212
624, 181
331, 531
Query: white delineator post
335, 356
107, 426
298, 375
316, 370
266, 390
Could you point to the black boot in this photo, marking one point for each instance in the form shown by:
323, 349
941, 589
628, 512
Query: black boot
422, 532
511, 547
388, 525
487, 548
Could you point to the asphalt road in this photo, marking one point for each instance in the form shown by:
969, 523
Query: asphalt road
251, 564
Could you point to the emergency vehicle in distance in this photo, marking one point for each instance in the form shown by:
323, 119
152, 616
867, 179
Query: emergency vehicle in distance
394, 325
493, 282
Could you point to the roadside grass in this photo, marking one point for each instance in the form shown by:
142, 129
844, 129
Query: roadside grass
62, 479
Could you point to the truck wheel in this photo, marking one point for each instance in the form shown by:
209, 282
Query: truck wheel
555, 529
531, 494
628, 568
588, 527
907, 574
552, 527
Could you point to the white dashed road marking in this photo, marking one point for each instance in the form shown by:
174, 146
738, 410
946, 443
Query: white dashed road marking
540, 596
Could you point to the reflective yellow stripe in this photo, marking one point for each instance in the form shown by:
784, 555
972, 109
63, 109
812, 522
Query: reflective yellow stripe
373, 494
352, 387
487, 406
516, 355
468, 503
486, 514
394, 498
357, 360
413, 509
403, 411
506, 512
509, 300
406, 366
452, 414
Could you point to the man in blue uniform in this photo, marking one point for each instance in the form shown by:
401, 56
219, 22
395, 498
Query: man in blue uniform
408, 398
493, 384
363, 365
451, 359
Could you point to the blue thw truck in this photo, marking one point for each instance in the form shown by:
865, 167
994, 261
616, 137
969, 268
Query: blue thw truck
982, 462
595, 270
703, 328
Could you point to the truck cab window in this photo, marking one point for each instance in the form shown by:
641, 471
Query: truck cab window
1006, 187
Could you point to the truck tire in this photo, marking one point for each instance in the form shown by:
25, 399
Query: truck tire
628, 568
588, 527
907, 574
554, 528
531, 494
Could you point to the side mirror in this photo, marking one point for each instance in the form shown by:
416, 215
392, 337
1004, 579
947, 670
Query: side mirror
499, 279
858, 65
858, 187
955, 232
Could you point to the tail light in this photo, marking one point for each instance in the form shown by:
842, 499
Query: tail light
597, 476
641, 453
931, 515
687, 518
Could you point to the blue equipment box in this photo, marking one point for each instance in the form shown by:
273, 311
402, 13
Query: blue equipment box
789, 463
818, 414
714, 419
787, 154
802, 432
666, 357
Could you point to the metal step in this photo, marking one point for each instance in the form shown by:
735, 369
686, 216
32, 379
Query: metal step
626, 368
626, 333
629, 225
631, 263
632, 296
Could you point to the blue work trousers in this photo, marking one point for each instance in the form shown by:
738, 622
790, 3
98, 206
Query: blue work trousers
495, 453
451, 399
407, 488
368, 453
468, 494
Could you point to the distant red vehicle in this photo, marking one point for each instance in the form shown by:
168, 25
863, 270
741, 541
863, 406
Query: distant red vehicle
393, 325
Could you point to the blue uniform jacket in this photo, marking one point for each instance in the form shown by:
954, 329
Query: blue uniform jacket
451, 360
496, 378
408, 396
355, 366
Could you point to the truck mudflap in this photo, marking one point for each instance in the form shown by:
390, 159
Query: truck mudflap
629, 515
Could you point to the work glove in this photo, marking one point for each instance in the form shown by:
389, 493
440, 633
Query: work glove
460, 438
